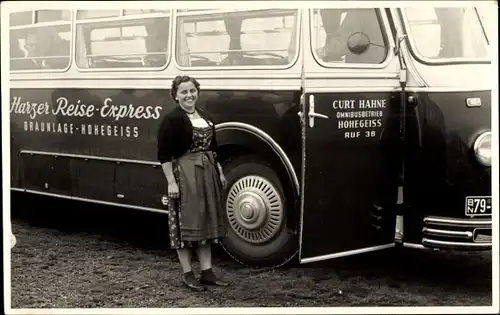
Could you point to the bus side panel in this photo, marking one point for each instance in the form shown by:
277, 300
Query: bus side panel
441, 170
46, 173
141, 185
122, 124
99, 122
274, 112
93, 179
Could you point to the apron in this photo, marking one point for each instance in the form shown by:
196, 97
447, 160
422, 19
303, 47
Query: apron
198, 215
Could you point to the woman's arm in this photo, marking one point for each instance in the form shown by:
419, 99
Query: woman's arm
213, 144
220, 168
169, 174
164, 149
214, 147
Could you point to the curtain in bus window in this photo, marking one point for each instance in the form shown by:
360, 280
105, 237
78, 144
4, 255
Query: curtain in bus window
233, 29
456, 32
182, 53
156, 41
472, 42
82, 42
451, 42
331, 50
475, 41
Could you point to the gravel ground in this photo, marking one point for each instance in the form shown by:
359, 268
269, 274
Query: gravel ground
78, 255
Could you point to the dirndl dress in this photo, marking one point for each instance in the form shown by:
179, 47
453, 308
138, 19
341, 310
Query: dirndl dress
197, 216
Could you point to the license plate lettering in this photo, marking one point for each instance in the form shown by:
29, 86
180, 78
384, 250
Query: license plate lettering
478, 206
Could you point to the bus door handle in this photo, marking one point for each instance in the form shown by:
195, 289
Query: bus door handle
312, 114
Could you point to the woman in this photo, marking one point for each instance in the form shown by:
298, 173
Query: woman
187, 151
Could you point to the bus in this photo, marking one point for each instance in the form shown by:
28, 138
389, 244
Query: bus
341, 130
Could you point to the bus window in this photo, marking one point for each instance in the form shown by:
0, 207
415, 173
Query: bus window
52, 16
43, 43
237, 38
21, 18
96, 14
139, 41
332, 29
458, 33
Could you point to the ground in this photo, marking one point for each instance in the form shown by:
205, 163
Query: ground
78, 255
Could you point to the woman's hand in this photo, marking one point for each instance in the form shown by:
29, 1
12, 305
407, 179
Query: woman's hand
223, 180
173, 190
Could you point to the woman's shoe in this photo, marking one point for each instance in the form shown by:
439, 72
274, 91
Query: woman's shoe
209, 278
190, 281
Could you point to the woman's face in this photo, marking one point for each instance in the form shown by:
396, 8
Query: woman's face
187, 95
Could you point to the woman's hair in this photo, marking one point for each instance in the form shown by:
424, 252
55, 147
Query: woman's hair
182, 79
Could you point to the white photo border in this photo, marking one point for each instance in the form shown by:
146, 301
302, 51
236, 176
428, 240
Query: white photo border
9, 5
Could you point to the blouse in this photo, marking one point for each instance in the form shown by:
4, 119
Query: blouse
175, 135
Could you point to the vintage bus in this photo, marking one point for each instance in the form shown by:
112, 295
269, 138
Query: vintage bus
341, 131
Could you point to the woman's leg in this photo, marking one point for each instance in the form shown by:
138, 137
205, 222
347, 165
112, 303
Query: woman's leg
185, 259
188, 276
204, 253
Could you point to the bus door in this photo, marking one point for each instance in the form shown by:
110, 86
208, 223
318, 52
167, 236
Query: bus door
350, 122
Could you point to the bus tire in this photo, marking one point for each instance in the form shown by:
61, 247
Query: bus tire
256, 213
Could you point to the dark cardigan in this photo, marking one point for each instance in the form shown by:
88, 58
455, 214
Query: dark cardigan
175, 135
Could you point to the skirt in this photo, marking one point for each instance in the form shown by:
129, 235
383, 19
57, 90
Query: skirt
197, 217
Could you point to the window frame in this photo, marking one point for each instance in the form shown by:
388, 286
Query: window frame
34, 25
121, 18
208, 12
386, 35
441, 61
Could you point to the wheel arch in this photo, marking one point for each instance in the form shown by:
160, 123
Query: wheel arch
237, 139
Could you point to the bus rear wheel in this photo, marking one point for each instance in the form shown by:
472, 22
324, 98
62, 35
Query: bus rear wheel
256, 211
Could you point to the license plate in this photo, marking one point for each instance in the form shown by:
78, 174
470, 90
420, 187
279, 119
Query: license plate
477, 206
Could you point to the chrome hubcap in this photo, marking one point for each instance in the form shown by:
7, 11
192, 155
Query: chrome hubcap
254, 209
